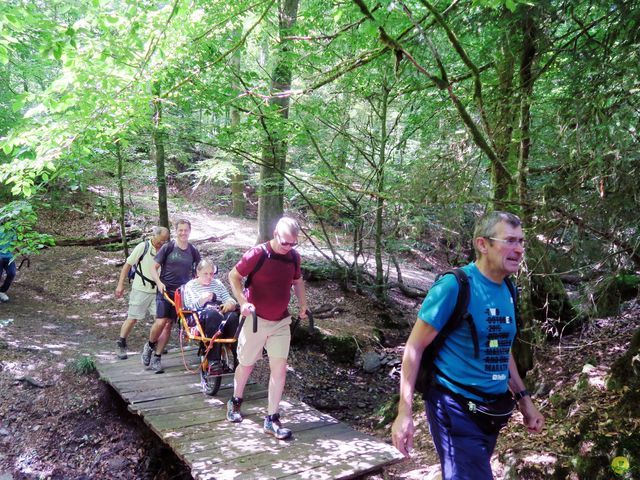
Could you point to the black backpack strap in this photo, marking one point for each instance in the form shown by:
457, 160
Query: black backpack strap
296, 260
264, 253
147, 245
194, 255
170, 248
460, 311
458, 315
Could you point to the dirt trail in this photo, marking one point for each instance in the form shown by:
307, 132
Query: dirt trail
57, 423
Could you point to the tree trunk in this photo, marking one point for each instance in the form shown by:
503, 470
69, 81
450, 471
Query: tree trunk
158, 152
380, 187
123, 231
274, 154
523, 350
239, 178
505, 121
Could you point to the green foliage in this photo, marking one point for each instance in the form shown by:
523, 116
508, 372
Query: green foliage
83, 365
17, 222
373, 131
388, 411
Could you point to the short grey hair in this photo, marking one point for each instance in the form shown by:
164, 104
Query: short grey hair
160, 231
289, 225
486, 225
205, 262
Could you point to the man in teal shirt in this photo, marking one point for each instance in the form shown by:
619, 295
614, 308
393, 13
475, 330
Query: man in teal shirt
464, 447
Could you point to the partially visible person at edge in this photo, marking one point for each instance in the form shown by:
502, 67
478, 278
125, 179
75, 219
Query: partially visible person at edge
210, 299
173, 267
142, 298
463, 447
269, 293
7, 263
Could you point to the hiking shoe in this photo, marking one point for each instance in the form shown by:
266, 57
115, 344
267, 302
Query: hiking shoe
272, 426
233, 410
156, 364
4, 297
147, 351
121, 350
215, 368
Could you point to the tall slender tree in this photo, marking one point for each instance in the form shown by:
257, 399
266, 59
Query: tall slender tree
274, 154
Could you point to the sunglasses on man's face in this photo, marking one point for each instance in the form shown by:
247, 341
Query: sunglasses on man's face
286, 244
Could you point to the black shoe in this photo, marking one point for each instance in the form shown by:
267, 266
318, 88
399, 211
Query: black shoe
121, 350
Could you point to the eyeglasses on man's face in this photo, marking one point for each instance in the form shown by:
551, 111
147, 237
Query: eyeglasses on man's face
509, 241
285, 244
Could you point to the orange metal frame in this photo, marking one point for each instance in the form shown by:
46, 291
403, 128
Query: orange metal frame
196, 332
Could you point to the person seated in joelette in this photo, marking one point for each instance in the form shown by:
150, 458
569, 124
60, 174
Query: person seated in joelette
208, 297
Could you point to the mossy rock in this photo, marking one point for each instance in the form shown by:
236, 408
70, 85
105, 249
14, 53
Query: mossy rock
342, 348
115, 247
612, 291
302, 336
623, 371
317, 271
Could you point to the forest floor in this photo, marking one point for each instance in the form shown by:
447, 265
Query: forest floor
59, 422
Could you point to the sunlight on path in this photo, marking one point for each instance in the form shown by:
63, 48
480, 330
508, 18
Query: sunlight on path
242, 234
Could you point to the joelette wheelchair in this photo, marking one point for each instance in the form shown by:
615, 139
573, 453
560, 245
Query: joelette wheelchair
191, 329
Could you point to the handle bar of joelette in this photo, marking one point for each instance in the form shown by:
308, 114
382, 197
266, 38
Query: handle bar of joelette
255, 319
242, 319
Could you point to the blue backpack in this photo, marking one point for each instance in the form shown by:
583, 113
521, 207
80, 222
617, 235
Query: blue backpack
459, 315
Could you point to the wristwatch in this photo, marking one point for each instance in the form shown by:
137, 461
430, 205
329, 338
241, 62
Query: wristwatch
521, 394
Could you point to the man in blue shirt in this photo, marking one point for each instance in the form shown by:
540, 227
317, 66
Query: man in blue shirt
7, 263
464, 447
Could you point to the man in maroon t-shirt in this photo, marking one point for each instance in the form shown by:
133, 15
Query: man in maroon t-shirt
269, 292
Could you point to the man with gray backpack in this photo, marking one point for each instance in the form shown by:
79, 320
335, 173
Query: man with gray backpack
142, 299
459, 353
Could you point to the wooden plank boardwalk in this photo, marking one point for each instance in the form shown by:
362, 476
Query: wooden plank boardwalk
194, 426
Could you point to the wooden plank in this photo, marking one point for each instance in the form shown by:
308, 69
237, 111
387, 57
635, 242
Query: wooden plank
201, 437
170, 362
325, 452
176, 421
248, 442
328, 452
195, 427
184, 402
149, 380
134, 357
151, 391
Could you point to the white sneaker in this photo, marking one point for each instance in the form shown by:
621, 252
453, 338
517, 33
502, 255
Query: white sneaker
4, 297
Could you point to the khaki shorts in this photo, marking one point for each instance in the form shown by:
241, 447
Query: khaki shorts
141, 303
274, 336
